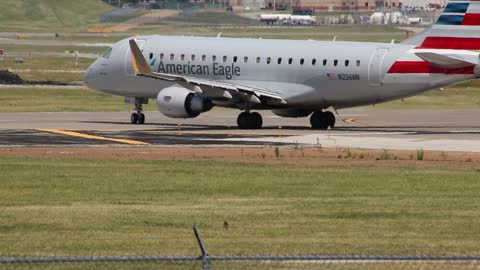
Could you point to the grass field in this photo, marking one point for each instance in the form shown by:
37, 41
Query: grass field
209, 17
372, 34
119, 207
48, 15
37, 99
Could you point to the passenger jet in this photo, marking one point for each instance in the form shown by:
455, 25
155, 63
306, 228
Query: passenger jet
189, 75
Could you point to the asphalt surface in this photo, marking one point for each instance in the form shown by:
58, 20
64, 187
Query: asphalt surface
446, 130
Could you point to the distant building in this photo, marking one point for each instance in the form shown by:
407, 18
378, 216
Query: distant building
335, 5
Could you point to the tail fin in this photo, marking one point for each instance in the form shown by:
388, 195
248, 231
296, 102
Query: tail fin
457, 28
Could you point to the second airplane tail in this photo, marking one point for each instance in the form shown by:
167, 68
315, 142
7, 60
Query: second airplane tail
457, 28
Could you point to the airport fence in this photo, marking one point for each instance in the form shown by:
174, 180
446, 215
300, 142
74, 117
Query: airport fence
205, 261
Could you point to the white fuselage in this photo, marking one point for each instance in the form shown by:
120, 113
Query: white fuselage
310, 75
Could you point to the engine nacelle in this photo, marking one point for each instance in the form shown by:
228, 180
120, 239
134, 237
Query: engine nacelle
179, 102
292, 113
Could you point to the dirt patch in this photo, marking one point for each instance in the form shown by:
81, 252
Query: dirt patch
309, 156
8, 77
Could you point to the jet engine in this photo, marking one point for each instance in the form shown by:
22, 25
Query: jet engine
292, 113
178, 102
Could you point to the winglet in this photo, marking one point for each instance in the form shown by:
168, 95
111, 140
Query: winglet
140, 65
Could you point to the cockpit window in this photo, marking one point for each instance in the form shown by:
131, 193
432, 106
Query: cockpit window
107, 53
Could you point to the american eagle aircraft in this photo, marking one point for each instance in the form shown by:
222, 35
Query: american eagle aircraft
189, 75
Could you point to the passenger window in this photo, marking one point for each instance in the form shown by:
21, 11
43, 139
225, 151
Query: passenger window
325, 62
204, 57
358, 63
161, 56
182, 57
314, 61
192, 57
290, 61
172, 56
224, 59
302, 61
279, 61
335, 62
107, 53
234, 59
150, 56
214, 58
245, 59
269, 60
347, 63
258, 60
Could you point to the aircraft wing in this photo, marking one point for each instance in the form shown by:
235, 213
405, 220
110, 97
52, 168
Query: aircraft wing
204, 86
449, 59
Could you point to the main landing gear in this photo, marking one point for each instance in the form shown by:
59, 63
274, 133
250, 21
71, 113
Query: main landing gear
248, 120
138, 117
322, 120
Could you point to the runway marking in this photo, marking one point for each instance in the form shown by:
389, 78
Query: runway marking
352, 121
232, 133
93, 137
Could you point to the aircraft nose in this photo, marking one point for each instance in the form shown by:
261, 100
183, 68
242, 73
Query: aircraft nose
90, 75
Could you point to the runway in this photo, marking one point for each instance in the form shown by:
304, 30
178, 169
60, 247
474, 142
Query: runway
442, 130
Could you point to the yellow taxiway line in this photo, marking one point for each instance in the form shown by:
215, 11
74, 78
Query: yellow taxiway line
352, 121
92, 137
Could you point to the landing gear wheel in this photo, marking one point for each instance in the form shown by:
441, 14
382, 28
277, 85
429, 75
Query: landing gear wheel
322, 120
257, 120
330, 119
137, 118
134, 118
247, 120
141, 118
242, 120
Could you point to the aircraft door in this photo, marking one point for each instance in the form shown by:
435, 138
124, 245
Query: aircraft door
128, 57
375, 67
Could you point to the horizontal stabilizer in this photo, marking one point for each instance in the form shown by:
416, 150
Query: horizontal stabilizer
449, 59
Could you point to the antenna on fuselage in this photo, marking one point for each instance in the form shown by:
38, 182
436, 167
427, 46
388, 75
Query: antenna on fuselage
219, 35
334, 38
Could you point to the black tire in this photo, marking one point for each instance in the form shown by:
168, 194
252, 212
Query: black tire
243, 120
134, 118
330, 119
256, 120
141, 118
318, 120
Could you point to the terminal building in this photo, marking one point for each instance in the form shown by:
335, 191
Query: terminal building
326, 5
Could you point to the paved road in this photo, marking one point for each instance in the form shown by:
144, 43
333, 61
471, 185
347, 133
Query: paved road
445, 130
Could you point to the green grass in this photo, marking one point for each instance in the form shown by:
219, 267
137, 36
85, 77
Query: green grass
50, 49
371, 34
463, 96
118, 207
39, 68
36, 99
48, 15
209, 17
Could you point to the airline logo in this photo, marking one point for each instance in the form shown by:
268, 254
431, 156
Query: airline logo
460, 13
456, 28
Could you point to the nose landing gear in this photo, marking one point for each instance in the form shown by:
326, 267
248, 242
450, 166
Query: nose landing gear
138, 117
322, 120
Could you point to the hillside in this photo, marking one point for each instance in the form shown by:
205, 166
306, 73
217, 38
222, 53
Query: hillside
50, 14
